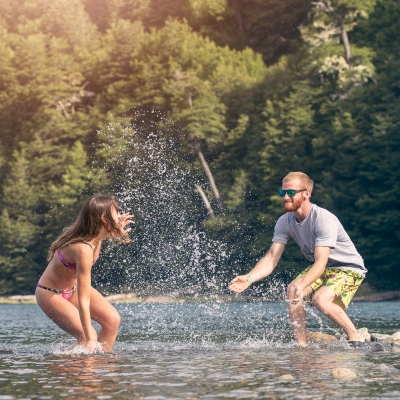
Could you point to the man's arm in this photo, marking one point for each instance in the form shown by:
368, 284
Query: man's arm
321, 256
262, 269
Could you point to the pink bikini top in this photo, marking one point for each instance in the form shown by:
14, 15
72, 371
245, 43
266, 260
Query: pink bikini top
68, 264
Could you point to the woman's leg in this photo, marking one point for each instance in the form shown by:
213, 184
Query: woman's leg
62, 312
106, 315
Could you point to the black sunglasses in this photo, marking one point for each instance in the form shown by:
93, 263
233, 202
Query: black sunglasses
290, 192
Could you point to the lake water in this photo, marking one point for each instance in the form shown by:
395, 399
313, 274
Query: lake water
195, 351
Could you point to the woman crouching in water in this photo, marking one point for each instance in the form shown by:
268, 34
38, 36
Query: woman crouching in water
64, 291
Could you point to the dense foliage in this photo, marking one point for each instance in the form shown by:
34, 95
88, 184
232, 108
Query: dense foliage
260, 87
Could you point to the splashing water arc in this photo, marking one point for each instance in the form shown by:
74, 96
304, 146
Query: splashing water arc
171, 253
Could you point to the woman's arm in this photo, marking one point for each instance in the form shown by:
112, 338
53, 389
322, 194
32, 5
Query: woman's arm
84, 262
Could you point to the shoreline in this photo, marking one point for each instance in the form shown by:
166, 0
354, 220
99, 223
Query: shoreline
133, 298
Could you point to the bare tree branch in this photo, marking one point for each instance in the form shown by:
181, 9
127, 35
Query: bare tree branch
183, 81
73, 99
63, 109
209, 174
206, 202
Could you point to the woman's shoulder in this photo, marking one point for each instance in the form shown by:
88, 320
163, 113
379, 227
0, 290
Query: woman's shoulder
78, 246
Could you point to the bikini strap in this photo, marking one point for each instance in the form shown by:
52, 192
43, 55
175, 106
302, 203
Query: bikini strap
79, 241
49, 289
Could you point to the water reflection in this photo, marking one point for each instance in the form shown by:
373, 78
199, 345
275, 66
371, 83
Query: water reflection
195, 352
83, 374
223, 373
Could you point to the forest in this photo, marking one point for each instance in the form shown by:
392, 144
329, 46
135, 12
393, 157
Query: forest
192, 112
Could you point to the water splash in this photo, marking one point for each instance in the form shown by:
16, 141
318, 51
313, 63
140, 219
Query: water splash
76, 349
171, 253
322, 326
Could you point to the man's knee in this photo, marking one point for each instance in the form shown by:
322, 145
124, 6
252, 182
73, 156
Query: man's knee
321, 302
317, 301
293, 290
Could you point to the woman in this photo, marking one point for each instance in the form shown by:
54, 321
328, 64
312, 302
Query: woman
64, 291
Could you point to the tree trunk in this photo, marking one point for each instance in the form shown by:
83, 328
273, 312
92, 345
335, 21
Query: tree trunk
63, 109
203, 161
340, 18
210, 177
346, 43
206, 202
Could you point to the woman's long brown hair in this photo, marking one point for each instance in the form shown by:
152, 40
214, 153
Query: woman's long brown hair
89, 222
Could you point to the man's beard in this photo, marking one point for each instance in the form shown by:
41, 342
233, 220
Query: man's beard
293, 204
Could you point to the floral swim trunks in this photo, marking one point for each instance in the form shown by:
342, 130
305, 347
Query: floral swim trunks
343, 282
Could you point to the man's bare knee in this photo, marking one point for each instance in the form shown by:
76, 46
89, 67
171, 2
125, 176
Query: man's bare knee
320, 302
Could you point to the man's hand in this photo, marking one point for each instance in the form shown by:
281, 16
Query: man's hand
262, 269
239, 284
298, 295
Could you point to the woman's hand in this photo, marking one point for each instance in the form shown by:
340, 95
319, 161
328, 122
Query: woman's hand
90, 345
124, 220
91, 340
239, 284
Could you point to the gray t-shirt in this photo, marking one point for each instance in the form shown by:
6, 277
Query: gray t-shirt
320, 228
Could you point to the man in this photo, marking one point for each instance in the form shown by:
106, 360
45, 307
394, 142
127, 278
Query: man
337, 270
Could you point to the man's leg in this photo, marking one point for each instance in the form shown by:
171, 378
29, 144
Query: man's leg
297, 313
323, 300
